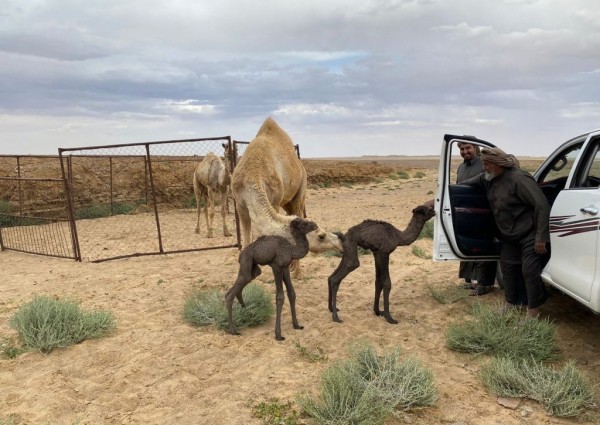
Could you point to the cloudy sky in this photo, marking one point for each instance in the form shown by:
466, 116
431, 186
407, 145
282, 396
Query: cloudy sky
342, 77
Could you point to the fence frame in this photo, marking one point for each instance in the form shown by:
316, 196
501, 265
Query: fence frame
67, 176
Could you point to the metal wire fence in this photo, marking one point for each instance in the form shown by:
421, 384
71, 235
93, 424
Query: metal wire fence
104, 202
138, 199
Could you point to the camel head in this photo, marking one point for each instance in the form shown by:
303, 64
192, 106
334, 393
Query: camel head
302, 226
425, 211
319, 241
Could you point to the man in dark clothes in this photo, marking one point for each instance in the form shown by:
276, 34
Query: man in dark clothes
522, 213
479, 275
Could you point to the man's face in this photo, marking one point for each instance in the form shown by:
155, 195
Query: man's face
491, 170
467, 151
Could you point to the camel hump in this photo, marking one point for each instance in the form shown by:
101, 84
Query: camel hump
271, 130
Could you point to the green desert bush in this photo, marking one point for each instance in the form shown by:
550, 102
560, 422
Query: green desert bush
506, 335
417, 251
46, 323
565, 393
367, 388
402, 175
419, 175
103, 210
427, 231
207, 307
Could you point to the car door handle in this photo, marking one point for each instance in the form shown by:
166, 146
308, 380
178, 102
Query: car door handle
590, 210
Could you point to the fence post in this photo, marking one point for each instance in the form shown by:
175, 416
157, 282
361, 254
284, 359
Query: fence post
153, 193
70, 211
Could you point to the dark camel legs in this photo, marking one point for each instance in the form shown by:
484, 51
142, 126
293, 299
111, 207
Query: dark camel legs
347, 265
383, 282
236, 290
282, 276
291, 297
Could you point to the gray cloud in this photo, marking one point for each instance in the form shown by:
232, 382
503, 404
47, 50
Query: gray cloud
336, 74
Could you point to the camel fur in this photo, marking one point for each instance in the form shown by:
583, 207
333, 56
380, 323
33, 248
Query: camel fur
211, 178
278, 253
381, 238
268, 177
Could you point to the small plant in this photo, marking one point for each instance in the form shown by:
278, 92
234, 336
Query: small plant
312, 355
402, 175
9, 349
419, 175
430, 192
448, 295
427, 231
103, 210
9, 420
506, 335
207, 307
273, 412
46, 323
368, 388
564, 393
420, 252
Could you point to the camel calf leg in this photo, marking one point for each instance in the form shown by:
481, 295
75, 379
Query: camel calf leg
291, 297
279, 298
348, 264
383, 282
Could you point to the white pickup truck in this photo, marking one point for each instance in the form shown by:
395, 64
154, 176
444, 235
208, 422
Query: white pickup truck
570, 178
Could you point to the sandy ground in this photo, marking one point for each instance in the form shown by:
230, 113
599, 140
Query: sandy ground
157, 369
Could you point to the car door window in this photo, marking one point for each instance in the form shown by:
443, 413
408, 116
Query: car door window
588, 174
556, 174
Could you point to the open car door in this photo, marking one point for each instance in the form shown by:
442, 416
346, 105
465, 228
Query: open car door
464, 227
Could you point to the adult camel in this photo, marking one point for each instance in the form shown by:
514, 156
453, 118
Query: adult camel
270, 177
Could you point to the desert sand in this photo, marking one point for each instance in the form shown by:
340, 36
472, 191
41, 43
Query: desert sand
155, 368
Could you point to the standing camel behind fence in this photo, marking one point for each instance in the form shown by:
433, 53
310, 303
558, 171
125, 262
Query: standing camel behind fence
268, 177
381, 238
211, 178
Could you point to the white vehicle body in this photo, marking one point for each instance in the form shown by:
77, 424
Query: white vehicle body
570, 178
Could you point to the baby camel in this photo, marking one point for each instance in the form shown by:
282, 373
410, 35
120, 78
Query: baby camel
382, 239
277, 252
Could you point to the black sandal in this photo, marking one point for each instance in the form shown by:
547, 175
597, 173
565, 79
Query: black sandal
480, 290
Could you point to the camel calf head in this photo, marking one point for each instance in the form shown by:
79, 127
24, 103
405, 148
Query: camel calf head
319, 241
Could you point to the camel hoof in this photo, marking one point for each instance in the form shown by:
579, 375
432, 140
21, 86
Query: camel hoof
279, 338
197, 231
234, 332
298, 327
392, 321
337, 319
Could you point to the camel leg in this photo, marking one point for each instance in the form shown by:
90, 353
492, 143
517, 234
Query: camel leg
235, 292
198, 196
383, 282
246, 274
296, 207
348, 263
210, 215
245, 224
296, 270
278, 275
291, 297
224, 212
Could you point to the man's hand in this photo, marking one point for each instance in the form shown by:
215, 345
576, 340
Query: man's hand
540, 248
